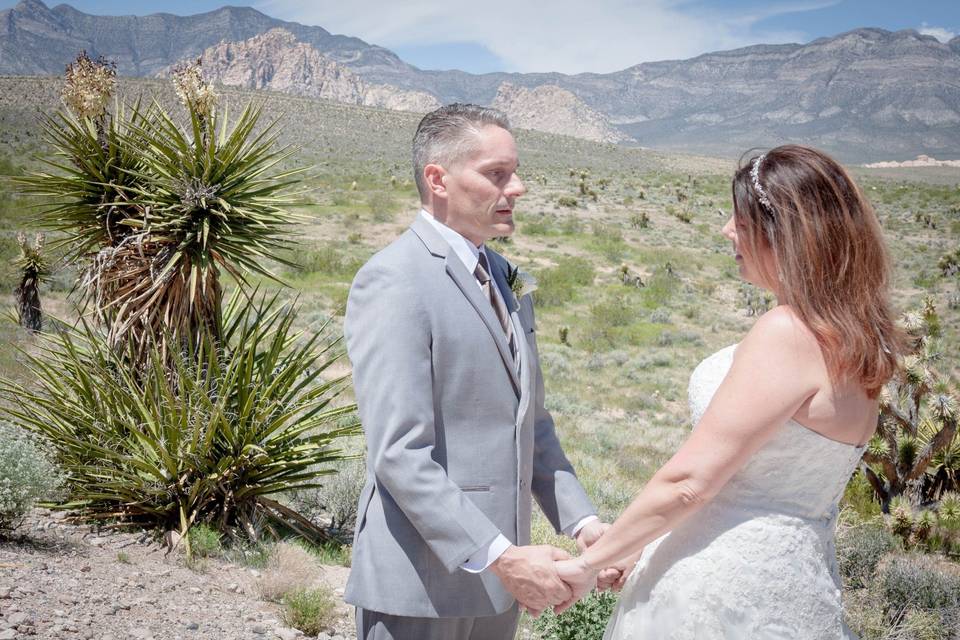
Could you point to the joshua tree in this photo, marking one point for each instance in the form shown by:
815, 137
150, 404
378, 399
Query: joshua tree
911, 452
33, 270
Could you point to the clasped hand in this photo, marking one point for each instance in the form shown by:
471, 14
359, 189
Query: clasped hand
543, 576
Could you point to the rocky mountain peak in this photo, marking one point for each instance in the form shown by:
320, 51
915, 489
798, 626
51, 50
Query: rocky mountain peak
277, 61
554, 110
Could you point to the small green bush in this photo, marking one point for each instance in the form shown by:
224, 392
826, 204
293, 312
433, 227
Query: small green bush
205, 541
383, 206
326, 259
539, 226
558, 285
26, 475
608, 241
585, 620
328, 553
660, 289
309, 610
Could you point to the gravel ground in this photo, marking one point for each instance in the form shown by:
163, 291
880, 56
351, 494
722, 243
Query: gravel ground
61, 581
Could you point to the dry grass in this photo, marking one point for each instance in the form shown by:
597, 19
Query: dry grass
290, 568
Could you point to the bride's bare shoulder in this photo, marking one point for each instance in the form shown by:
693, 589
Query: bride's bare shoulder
781, 333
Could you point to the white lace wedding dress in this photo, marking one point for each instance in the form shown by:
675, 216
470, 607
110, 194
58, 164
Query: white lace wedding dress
757, 562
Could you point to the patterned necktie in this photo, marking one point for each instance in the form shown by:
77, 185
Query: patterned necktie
482, 272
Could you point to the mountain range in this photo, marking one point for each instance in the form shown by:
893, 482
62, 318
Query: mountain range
865, 95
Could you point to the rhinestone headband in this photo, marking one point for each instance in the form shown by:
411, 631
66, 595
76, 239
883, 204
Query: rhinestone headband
755, 176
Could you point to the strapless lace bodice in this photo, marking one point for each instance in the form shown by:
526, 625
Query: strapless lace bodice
798, 472
757, 562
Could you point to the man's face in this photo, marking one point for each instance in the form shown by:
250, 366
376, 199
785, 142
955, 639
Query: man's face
482, 187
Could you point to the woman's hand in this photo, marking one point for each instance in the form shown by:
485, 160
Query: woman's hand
614, 577
580, 577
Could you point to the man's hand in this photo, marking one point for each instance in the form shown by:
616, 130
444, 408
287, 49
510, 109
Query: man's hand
579, 577
530, 575
590, 533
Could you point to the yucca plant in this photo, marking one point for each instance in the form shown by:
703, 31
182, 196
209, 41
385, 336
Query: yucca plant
914, 452
158, 210
165, 408
33, 270
233, 424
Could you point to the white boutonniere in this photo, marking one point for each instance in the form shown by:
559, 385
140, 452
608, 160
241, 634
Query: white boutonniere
521, 283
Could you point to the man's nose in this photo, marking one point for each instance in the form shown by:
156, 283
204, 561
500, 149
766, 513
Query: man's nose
516, 187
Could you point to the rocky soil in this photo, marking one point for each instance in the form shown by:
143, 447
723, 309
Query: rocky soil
62, 581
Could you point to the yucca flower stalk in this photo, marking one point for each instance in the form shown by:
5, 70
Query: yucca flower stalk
33, 270
213, 439
88, 85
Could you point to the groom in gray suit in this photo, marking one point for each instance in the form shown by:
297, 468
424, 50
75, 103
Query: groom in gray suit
451, 398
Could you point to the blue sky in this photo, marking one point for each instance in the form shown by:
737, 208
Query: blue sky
569, 35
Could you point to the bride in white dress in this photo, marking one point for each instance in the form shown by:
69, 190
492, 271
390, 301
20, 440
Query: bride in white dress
733, 537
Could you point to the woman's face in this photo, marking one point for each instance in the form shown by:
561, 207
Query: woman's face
751, 267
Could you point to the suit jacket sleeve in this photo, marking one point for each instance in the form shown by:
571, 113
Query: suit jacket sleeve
555, 485
389, 344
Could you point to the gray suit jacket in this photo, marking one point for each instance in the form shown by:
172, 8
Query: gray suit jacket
457, 440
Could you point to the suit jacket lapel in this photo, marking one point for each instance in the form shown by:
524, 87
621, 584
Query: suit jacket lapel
526, 368
467, 283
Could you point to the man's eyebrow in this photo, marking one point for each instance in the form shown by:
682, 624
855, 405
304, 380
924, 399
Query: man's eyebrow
498, 162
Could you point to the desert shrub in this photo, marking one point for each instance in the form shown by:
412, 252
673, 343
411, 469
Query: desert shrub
567, 201
612, 311
383, 206
571, 225
860, 547
559, 284
668, 338
9, 168
660, 316
949, 263
325, 259
660, 289
205, 541
539, 226
586, 620
608, 241
336, 498
918, 582
309, 610
860, 497
754, 301
639, 220
331, 552
289, 568
26, 475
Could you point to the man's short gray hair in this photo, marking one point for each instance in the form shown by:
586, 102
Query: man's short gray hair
450, 133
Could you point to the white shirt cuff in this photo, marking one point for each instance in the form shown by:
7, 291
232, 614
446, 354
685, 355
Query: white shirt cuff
580, 525
485, 557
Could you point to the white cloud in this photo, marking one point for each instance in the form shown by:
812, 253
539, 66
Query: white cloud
941, 34
564, 35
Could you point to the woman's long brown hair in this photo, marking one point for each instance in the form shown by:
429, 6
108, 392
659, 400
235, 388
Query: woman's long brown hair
832, 263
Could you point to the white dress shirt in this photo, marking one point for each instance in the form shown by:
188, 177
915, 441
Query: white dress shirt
469, 255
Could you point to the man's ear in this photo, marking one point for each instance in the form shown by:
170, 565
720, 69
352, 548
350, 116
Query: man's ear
434, 175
